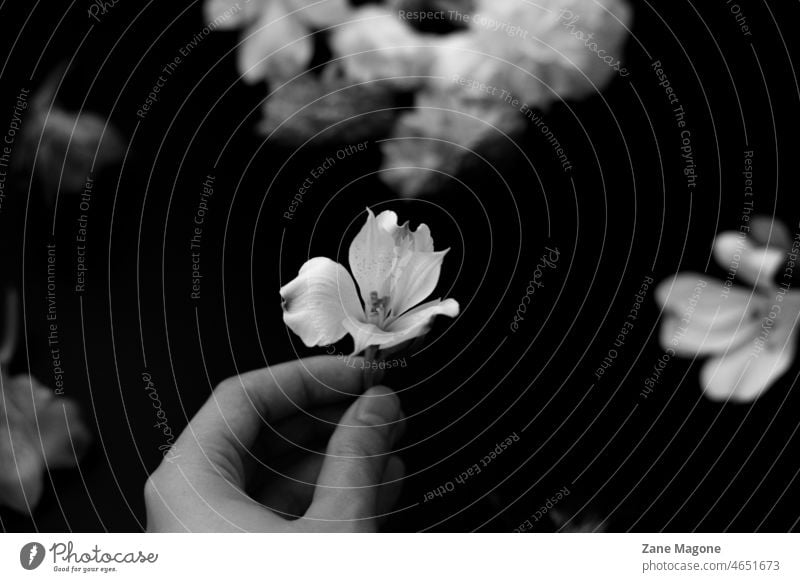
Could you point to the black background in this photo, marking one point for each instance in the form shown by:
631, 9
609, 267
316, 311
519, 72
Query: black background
674, 461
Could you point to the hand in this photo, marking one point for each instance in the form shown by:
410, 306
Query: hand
223, 474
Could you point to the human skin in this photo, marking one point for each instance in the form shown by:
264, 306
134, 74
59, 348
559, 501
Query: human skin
246, 461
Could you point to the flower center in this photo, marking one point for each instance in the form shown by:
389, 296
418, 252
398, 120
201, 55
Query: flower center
377, 308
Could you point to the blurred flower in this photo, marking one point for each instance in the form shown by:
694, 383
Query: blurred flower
432, 142
395, 268
749, 332
538, 52
38, 431
72, 146
66, 146
328, 111
490, 60
376, 44
277, 40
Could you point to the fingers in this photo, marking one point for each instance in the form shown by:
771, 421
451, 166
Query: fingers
290, 494
305, 433
351, 478
298, 433
217, 438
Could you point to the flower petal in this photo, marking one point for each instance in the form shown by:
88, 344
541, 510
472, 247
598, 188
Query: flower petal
420, 239
388, 221
415, 280
319, 301
744, 374
413, 324
757, 265
375, 44
423, 242
693, 295
367, 334
277, 46
372, 257
416, 322
704, 317
709, 337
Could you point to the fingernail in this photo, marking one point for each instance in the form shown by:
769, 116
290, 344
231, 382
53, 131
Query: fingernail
378, 405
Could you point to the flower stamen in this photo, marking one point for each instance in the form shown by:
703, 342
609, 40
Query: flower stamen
377, 307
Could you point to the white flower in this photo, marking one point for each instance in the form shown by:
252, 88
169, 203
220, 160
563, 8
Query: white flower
395, 268
376, 44
538, 51
749, 332
277, 41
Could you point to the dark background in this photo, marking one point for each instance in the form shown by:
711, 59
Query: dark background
674, 461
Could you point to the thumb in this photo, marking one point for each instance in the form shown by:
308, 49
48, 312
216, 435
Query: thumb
350, 479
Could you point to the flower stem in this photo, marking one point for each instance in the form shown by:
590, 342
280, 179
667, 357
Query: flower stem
369, 368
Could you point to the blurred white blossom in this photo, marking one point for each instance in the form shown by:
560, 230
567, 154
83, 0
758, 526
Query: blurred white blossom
749, 332
539, 52
64, 147
491, 59
376, 44
276, 40
430, 143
